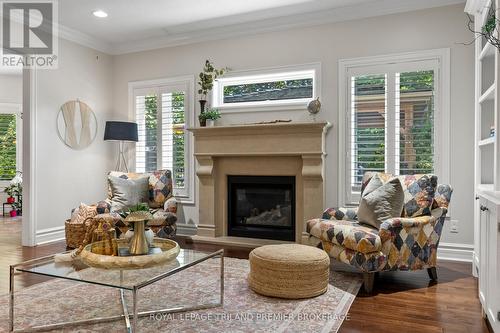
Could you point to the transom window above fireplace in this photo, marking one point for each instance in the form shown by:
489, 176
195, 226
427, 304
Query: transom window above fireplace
285, 87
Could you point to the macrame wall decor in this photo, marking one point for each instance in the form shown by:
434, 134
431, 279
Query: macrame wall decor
76, 124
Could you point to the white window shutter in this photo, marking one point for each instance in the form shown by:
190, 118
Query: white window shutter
160, 113
391, 125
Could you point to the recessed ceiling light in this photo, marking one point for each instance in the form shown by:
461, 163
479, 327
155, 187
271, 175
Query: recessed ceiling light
100, 13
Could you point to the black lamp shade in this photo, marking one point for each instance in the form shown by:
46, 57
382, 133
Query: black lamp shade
121, 131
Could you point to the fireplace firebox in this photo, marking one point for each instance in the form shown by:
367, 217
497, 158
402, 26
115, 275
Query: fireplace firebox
261, 207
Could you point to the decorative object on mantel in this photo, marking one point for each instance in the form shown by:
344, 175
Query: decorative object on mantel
209, 117
76, 127
121, 131
488, 31
276, 121
206, 82
314, 107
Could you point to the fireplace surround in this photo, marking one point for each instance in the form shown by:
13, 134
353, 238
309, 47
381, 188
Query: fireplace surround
293, 149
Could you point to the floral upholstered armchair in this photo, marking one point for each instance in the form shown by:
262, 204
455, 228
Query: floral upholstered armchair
405, 242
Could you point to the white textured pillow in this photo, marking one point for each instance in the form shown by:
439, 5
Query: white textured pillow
128, 192
381, 201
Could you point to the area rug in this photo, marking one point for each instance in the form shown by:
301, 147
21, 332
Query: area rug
243, 310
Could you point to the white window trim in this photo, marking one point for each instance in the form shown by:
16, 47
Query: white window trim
441, 111
257, 75
14, 108
187, 195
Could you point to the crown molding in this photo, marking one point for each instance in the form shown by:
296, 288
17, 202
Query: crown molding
84, 39
185, 34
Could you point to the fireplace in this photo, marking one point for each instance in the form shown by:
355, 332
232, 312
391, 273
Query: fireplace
261, 207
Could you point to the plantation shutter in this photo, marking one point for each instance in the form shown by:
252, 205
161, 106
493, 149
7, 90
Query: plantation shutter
173, 135
146, 111
391, 121
8, 149
160, 115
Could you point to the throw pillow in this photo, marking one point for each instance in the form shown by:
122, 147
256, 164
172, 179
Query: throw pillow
160, 188
382, 202
419, 194
124, 175
384, 177
127, 192
82, 213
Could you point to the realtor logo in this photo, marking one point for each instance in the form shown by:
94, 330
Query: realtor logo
29, 33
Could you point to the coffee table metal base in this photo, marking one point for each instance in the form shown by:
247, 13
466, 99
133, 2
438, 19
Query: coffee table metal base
131, 326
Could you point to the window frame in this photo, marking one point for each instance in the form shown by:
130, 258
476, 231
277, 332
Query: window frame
16, 109
258, 75
158, 86
439, 59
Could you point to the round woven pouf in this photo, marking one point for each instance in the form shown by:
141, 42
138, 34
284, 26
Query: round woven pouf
289, 271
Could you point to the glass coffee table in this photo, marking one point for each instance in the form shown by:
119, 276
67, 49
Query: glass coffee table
123, 280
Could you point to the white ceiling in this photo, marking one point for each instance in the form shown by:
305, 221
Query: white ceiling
134, 25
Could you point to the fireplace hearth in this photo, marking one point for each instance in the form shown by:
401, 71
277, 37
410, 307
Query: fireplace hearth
261, 207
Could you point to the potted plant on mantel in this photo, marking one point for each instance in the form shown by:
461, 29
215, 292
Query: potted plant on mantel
209, 117
206, 83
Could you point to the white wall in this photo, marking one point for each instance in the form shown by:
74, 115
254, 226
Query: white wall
11, 88
65, 177
443, 27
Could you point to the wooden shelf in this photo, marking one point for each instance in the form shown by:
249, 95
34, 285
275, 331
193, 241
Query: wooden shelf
489, 94
487, 51
486, 142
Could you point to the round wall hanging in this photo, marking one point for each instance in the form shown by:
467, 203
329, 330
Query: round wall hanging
76, 124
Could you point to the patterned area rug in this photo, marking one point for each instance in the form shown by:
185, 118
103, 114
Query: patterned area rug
243, 310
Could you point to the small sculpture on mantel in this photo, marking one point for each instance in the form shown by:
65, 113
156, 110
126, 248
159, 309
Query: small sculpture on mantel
314, 107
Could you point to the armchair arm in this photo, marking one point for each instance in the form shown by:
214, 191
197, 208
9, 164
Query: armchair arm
407, 222
411, 243
341, 213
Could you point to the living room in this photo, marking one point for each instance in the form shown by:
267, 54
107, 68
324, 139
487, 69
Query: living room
307, 106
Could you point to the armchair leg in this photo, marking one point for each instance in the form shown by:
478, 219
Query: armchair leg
368, 281
432, 273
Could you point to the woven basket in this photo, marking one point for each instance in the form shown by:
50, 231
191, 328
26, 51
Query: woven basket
75, 233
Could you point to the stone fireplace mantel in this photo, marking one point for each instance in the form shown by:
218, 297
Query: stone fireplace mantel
282, 149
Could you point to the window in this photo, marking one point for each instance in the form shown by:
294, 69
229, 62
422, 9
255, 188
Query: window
162, 114
8, 146
295, 85
392, 113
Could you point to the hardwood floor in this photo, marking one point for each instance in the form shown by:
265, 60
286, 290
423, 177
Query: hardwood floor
401, 301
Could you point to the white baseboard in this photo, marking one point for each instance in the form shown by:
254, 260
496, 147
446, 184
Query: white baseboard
455, 252
186, 229
49, 235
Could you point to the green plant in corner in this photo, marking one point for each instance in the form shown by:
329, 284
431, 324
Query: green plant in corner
489, 30
9, 190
